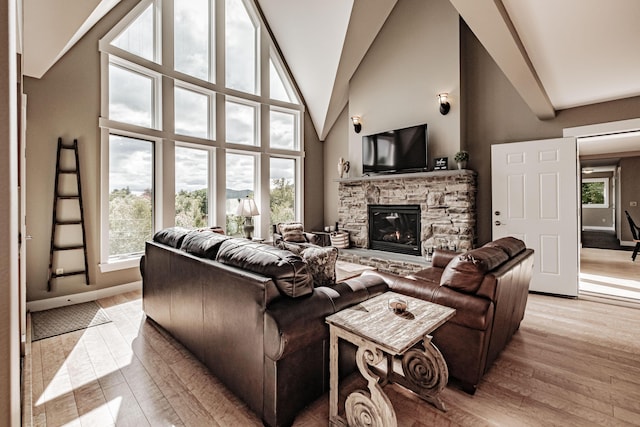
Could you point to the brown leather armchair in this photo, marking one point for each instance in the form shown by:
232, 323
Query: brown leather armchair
291, 236
488, 287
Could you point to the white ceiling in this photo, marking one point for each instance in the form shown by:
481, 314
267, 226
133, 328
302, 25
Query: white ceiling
557, 53
52, 27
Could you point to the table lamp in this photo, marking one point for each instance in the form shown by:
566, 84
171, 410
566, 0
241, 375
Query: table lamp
248, 209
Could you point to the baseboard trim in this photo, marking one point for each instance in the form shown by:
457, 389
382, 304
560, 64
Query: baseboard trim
627, 243
46, 304
609, 299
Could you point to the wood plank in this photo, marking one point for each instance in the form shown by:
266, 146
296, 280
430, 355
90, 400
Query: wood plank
572, 363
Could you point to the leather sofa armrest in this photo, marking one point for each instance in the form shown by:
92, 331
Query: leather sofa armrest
292, 324
471, 311
408, 286
442, 257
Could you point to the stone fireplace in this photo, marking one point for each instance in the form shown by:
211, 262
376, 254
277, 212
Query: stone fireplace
445, 200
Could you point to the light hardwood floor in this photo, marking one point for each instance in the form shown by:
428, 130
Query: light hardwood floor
610, 274
572, 363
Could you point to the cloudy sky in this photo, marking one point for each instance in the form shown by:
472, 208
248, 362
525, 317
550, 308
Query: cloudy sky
131, 100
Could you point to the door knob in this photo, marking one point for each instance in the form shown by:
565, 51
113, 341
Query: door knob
498, 223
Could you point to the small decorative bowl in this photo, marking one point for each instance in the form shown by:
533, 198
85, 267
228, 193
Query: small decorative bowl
398, 305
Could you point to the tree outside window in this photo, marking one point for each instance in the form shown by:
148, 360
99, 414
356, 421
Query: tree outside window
595, 192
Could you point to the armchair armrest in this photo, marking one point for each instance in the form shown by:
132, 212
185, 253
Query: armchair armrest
442, 257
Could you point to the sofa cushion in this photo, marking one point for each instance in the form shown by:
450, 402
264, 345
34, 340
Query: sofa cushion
510, 245
171, 236
203, 243
321, 262
466, 271
288, 271
292, 232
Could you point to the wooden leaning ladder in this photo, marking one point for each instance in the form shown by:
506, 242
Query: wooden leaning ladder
54, 272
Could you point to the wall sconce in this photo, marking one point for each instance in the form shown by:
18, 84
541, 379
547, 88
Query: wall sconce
357, 123
443, 99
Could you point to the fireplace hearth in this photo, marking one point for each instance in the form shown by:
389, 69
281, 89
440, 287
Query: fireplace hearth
395, 228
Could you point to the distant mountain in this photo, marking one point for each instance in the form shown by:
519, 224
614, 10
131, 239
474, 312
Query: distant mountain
238, 194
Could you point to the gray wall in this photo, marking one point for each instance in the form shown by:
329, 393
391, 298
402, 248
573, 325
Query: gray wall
413, 58
490, 110
494, 113
629, 192
66, 103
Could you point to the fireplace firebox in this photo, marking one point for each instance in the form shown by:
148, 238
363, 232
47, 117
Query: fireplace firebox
395, 228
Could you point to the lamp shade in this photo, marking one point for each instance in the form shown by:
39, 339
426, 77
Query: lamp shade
247, 208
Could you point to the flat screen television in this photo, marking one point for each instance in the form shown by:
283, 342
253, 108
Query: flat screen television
394, 151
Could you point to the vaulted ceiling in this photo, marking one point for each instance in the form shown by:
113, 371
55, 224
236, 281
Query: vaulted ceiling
557, 54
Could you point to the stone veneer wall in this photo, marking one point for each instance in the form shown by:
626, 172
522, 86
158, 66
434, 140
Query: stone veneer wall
447, 200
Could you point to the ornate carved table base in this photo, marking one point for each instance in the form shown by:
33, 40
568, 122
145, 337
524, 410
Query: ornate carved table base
404, 340
424, 370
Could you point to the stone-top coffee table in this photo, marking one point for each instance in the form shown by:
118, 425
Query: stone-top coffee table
380, 333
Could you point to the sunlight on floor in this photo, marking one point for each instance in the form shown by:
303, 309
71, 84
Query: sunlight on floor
609, 273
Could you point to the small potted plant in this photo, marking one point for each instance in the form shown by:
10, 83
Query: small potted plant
461, 159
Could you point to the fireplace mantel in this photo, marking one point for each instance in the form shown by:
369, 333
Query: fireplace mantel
413, 175
446, 198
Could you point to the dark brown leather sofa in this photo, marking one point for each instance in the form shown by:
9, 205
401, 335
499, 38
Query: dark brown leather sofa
488, 287
251, 313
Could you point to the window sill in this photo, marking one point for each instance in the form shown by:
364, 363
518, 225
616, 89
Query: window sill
121, 264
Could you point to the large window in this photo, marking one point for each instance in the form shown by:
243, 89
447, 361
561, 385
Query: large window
241, 183
192, 187
170, 123
241, 47
282, 189
130, 195
193, 37
192, 112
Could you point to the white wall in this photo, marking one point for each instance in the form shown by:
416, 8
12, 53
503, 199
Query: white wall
9, 301
414, 57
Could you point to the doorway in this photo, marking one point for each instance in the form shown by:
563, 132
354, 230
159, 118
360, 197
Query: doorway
609, 158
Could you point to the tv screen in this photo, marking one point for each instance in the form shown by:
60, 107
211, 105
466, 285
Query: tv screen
400, 150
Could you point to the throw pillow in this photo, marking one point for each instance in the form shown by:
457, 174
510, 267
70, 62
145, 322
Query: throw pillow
321, 262
292, 232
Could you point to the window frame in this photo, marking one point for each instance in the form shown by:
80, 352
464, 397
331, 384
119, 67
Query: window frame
165, 138
156, 95
211, 176
211, 108
108, 263
605, 181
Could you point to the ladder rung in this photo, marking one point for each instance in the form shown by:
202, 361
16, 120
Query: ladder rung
68, 248
69, 171
67, 147
67, 197
74, 222
71, 273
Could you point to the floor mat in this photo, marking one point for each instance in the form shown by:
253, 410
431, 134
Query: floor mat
58, 321
602, 240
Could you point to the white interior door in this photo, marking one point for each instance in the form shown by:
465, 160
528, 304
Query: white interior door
534, 193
